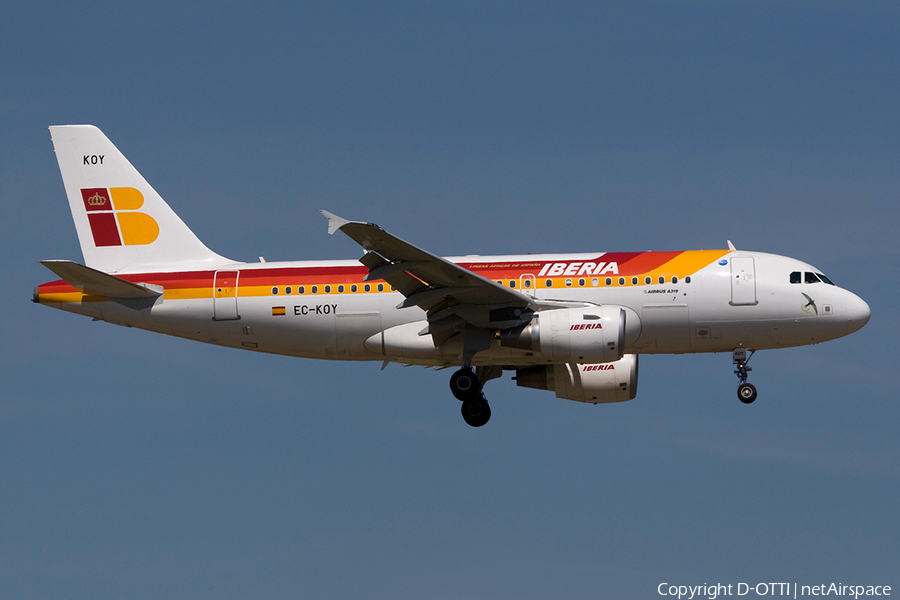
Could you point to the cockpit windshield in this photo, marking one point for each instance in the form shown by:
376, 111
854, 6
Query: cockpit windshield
809, 277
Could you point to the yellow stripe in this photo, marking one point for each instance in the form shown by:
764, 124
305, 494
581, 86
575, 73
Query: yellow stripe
61, 297
187, 293
69, 298
689, 262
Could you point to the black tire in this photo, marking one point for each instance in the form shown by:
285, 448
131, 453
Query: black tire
464, 385
476, 412
746, 393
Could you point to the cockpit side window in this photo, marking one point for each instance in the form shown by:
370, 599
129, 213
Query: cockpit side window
795, 277
811, 278
825, 279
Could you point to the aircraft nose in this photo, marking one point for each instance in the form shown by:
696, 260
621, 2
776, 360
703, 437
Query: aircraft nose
857, 313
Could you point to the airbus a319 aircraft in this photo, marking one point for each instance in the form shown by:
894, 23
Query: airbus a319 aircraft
573, 324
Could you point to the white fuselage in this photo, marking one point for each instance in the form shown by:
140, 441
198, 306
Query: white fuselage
744, 299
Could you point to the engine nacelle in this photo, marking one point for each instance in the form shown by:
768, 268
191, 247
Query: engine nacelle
596, 334
611, 382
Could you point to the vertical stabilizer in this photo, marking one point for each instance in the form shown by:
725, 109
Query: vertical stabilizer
122, 223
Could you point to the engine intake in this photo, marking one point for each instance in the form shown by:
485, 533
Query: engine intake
597, 334
610, 382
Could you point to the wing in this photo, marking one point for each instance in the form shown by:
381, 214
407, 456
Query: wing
452, 297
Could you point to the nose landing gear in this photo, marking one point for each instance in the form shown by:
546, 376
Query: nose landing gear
467, 387
746, 392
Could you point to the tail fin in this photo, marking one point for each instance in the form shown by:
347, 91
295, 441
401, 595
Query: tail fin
122, 223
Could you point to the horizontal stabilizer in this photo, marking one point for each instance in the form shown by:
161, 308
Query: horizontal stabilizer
97, 283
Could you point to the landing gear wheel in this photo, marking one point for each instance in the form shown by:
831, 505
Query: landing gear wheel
476, 412
746, 393
464, 384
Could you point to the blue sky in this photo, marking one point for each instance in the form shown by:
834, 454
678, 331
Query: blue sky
134, 465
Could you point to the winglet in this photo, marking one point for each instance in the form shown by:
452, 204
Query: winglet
731, 246
334, 221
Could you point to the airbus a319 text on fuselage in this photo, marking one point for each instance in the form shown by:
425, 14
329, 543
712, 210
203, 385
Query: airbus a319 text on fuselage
573, 324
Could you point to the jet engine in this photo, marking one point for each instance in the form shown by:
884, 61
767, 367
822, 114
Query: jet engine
596, 334
609, 382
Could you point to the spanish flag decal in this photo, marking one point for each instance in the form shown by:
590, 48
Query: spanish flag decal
277, 311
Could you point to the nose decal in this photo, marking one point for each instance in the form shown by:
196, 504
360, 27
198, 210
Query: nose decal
810, 304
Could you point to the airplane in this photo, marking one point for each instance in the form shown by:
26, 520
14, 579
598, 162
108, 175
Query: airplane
573, 324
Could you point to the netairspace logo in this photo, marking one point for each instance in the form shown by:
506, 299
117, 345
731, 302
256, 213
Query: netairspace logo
792, 590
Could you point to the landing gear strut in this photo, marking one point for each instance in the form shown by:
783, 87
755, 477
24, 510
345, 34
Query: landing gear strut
466, 386
746, 391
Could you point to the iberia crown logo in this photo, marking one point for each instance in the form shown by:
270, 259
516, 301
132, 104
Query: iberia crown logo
97, 200
114, 218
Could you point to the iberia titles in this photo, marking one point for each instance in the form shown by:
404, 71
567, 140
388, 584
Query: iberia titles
579, 268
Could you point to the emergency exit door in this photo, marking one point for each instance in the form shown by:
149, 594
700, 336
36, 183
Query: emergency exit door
225, 287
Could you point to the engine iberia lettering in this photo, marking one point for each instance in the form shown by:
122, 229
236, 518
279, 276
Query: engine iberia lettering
597, 368
579, 268
585, 326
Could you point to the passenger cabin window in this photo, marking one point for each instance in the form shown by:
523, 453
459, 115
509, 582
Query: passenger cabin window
287, 290
811, 278
795, 277
549, 283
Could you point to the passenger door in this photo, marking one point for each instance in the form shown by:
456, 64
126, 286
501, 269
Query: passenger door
225, 287
743, 281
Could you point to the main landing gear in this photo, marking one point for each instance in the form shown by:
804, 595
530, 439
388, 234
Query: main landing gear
466, 387
746, 391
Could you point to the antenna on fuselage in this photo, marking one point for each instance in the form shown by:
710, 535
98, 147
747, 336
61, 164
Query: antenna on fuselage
731, 246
